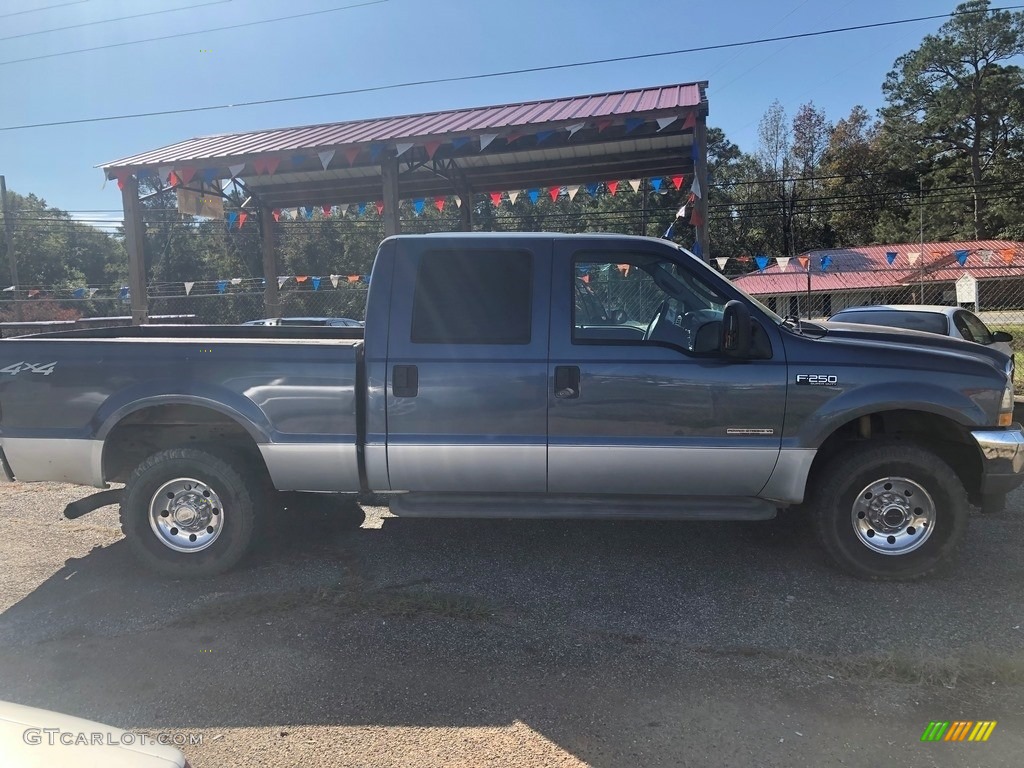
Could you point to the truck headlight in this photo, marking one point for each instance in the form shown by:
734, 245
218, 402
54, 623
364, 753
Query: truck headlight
1006, 406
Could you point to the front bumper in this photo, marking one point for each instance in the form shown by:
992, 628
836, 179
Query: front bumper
1002, 453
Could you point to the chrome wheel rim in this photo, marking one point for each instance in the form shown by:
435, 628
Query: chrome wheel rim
186, 515
893, 516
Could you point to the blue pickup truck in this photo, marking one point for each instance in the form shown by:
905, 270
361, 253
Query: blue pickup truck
528, 375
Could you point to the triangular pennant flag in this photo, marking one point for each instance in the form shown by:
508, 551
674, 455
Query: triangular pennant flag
665, 122
276, 213
165, 170
188, 287
826, 262
513, 196
677, 181
534, 195
986, 256
365, 279
669, 231
293, 213
375, 152
458, 201
1007, 255
316, 283
460, 142
572, 129
361, 208
486, 139
697, 250
803, 261
632, 123
209, 175
236, 281
695, 187
496, 198
236, 169
8, 288
961, 257
173, 179
327, 211
696, 218
222, 286
121, 177
432, 147
78, 293
271, 164
146, 173
585, 278
259, 165
417, 205
543, 136
308, 211
439, 204
297, 160
681, 213
554, 192
694, 153
33, 292
335, 279
353, 279
913, 256
612, 186
380, 207
92, 292
635, 184
241, 218
571, 190
783, 262
301, 278
656, 184
325, 157
351, 153
513, 137
603, 123
591, 189
890, 256
281, 281
690, 121
403, 147
722, 261
232, 218
186, 174
762, 262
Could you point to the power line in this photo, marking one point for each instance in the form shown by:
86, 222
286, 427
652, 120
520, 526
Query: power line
44, 8
458, 78
188, 34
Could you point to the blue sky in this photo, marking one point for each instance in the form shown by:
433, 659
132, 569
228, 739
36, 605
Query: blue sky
397, 41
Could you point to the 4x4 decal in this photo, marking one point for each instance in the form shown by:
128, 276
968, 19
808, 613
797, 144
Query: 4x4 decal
15, 368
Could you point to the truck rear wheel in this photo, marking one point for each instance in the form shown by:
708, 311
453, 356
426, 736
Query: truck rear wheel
188, 512
889, 511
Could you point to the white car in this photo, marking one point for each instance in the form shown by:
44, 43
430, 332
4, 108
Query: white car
38, 738
946, 321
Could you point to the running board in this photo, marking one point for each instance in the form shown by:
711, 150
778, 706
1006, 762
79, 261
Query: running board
540, 507
76, 509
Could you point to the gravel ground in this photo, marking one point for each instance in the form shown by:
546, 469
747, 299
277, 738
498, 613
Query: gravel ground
478, 643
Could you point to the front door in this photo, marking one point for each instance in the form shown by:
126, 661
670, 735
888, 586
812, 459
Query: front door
467, 366
640, 400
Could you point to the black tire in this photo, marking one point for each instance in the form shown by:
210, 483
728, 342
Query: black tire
238, 489
837, 487
338, 510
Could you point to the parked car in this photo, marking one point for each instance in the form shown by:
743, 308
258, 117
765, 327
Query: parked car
333, 322
488, 384
40, 738
946, 321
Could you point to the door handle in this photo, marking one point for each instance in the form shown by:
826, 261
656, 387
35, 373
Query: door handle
567, 382
405, 381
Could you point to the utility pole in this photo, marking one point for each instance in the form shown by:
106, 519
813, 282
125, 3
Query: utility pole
9, 237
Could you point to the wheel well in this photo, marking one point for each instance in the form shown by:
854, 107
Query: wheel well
144, 432
952, 442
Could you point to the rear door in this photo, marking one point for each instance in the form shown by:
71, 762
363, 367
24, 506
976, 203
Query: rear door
640, 401
466, 396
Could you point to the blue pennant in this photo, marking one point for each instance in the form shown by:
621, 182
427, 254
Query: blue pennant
232, 218
544, 136
460, 142
656, 183
144, 173
826, 262
362, 208
375, 150
417, 205
125, 293
890, 256
78, 293
316, 283
697, 250
591, 189
222, 285
668, 232
298, 160
534, 195
632, 123
961, 257
762, 262
694, 152
365, 279
209, 175
309, 212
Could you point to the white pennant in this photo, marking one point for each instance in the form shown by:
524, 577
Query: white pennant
188, 287
572, 189
334, 280
665, 122
403, 147
721, 261
281, 281
512, 197
573, 128
913, 257
293, 212
236, 281
164, 171
92, 292
236, 169
986, 256
635, 184
458, 201
783, 262
11, 288
681, 213
695, 187
486, 139
325, 157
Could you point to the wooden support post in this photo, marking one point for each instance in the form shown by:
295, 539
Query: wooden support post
700, 136
271, 294
12, 256
389, 174
135, 244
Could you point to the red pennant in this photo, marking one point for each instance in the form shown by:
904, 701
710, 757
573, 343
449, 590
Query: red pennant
691, 198
603, 123
173, 180
690, 121
301, 278
554, 191
585, 278
353, 278
327, 210
259, 166
277, 214
186, 174
431, 147
439, 203
1007, 255
677, 181
380, 207
513, 137
272, 163
612, 186
121, 177
696, 219
496, 198
803, 260
351, 154
241, 218
624, 269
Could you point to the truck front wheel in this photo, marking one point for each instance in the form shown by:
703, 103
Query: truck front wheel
188, 512
889, 511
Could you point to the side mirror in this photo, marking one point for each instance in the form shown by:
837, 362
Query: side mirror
736, 327
1002, 336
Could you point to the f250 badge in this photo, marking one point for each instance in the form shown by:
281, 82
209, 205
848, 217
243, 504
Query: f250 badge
15, 368
817, 379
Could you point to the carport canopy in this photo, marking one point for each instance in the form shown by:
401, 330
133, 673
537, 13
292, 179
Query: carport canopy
658, 131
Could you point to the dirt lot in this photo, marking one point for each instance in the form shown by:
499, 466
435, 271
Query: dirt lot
422, 643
